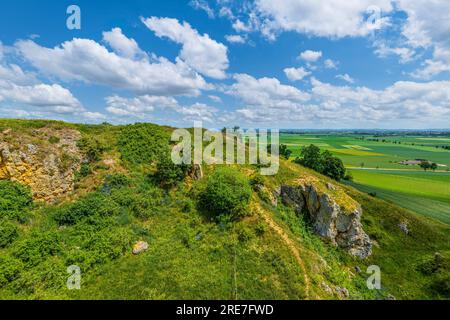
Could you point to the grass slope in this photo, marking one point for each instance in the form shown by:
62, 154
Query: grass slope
271, 254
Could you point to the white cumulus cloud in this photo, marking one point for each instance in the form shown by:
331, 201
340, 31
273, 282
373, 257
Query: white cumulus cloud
199, 112
295, 74
203, 5
310, 55
265, 99
428, 26
235, 38
87, 61
345, 77
138, 106
24, 89
402, 100
334, 19
405, 54
265, 91
330, 64
202, 53
123, 46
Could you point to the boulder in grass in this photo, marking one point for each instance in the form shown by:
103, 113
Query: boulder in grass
140, 247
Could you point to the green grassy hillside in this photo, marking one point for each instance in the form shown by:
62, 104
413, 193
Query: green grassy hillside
266, 251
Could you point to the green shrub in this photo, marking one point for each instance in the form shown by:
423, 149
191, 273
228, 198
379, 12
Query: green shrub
284, 151
107, 245
8, 233
85, 170
143, 143
99, 247
124, 218
115, 181
169, 174
10, 269
35, 248
93, 206
441, 285
92, 148
435, 265
141, 204
256, 182
15, 200
53, 140
438, 269
188, 206
50, 274
141, 231
227, 194
124, 197
243, 233
142, 207
348, 177
260, 229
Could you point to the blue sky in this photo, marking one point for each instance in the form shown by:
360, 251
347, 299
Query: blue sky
283, 64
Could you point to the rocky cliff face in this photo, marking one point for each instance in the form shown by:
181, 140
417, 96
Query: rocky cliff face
334, 222
46, 160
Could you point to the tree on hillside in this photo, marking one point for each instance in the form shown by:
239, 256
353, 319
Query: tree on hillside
284, 151
333, 167
433, 166
322, 162
311, 157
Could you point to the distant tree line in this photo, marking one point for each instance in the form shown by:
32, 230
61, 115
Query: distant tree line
445, 147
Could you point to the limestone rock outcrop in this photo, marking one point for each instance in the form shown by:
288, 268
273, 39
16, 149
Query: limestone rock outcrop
336, 223
47, 168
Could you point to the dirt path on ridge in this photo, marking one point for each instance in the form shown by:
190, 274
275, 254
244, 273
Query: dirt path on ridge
290, 244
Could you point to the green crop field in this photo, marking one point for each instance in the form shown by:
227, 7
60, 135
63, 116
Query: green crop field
374, 164
425, 193
438, 210
355, 151
435, 186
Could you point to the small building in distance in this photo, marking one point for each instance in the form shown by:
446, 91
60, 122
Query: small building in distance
414, 162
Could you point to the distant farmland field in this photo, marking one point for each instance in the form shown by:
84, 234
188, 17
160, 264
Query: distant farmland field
424, 193
375, 168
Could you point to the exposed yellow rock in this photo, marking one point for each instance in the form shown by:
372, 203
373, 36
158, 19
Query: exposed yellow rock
33, 161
